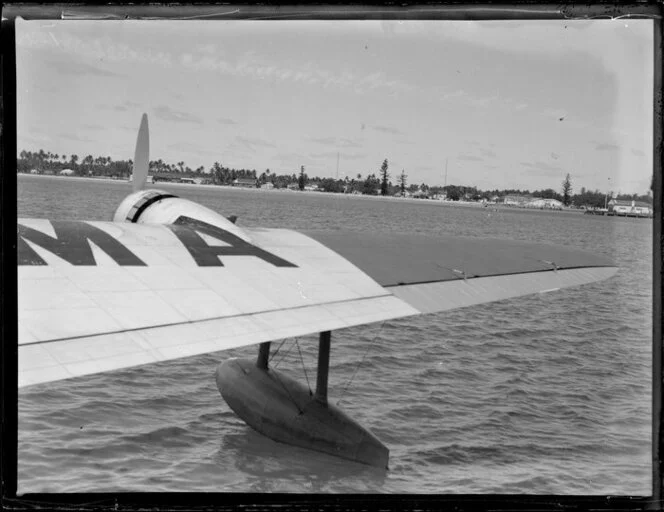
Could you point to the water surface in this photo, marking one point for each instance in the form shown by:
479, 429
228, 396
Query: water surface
547, 393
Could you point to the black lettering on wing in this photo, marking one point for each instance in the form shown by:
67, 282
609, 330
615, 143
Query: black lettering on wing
208, 256
71, 243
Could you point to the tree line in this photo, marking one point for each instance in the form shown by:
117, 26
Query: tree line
376, 183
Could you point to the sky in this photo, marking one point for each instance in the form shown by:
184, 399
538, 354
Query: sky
499, 104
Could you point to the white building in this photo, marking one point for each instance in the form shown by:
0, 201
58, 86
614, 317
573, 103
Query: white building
516, 200
549, 204
66, 172
631, 208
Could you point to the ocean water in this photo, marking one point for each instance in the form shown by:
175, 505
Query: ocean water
541, 394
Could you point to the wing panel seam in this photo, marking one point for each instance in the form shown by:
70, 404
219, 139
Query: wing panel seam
175, 324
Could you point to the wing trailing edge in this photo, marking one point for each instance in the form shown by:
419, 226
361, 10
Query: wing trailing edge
440, 296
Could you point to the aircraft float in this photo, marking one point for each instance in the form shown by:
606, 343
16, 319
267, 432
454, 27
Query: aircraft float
169, 278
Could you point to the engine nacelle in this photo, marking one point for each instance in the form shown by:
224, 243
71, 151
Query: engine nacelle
160, 207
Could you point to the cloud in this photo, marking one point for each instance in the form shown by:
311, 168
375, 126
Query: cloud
444, 96
606, 147
74, 137
336, 142
188, 147
471, 158
541, 165
35, 138
638, 152
327, 141
166, 113
254, 141
556, 113
71, 67
348, 143
555, 156
252, 65
289, 158
225, 120
481, 101
488, 153
342, 156
387, 129
124, 107
97, 48
94, 127
542, 169
209, 48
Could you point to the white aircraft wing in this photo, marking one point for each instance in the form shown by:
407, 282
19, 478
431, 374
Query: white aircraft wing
99, 296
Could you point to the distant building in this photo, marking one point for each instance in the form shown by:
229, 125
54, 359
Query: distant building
630, 208
269, 185
515, 200
34, 171
190, 181
545, 204
293, 186
245, 182
66, 172
156, 179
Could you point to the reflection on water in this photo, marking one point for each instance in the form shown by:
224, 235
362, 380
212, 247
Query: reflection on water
276, 466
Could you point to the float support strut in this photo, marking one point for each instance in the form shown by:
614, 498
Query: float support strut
323, 366
263, 355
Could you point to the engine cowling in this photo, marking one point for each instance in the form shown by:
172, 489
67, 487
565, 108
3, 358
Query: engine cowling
160, 207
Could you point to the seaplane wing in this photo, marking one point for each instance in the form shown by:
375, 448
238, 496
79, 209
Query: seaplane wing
99, 296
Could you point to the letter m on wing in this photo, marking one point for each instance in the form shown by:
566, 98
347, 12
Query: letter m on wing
72, 244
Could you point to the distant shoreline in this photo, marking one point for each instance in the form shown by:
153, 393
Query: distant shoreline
431, 202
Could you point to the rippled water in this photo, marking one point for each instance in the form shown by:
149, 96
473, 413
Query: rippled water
541, 394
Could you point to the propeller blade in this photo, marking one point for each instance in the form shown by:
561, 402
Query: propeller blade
141, 156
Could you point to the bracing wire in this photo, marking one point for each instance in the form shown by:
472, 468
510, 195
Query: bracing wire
276, 375
343, 391
278, 349
303, 367
285, 355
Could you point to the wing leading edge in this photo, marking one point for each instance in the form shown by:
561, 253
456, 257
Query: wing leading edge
100, 296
